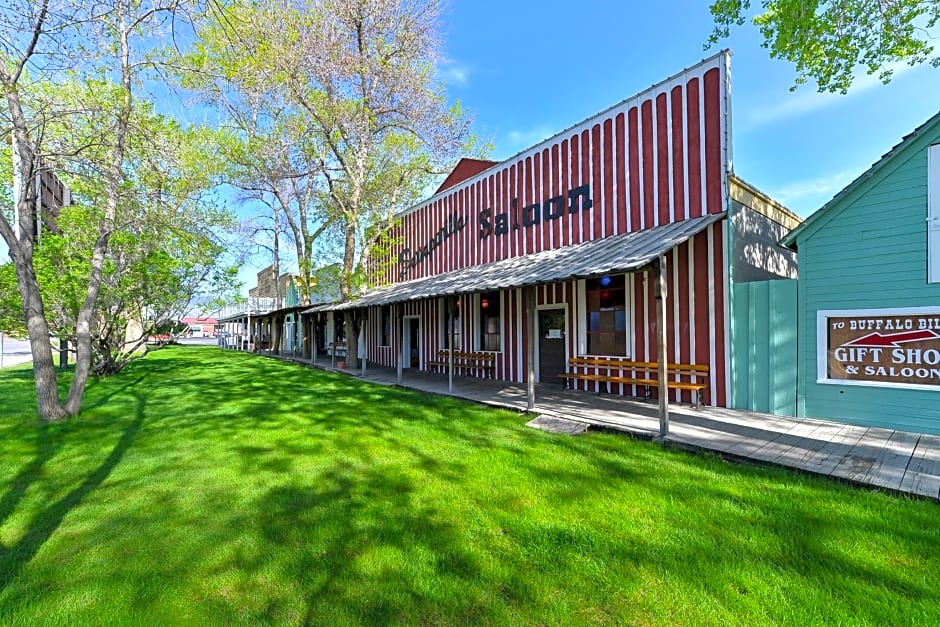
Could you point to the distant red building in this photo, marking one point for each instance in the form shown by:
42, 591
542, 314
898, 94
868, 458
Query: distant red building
200, 327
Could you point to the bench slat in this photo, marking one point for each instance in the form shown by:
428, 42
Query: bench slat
467, 361
613, 370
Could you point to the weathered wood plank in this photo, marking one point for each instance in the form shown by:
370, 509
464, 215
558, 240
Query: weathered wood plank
553, 424
922, 476
711, 435
832, 452
754, 434
805, 441
858, 461
782, 443
892, 461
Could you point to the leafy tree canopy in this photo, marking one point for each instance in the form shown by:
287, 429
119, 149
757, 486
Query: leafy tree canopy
828, 39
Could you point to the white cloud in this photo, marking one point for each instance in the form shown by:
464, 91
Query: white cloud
804, 100
453, 72
810, 194
520, 140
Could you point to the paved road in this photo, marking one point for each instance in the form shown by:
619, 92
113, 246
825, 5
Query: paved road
199, 341
15, 352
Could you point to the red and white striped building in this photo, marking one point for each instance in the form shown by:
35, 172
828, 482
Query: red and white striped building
659, 159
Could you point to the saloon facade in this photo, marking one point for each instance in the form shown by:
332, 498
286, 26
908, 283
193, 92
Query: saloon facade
580, 223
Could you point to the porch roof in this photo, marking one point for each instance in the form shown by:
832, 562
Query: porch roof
620, 253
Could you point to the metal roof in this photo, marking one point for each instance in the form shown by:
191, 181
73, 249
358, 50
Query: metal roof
619, 253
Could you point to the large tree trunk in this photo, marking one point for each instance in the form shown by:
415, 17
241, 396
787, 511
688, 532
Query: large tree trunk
277, 324
352, 320
47, 392
21, 252
83, 337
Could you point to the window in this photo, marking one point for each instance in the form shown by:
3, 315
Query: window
490, 305
386, 326
933, 214
455, 324
606, 316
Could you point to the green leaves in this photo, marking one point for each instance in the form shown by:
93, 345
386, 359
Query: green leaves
828, 40
336, 119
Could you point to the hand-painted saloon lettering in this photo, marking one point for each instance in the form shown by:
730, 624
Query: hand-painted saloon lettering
408, 259
579, 199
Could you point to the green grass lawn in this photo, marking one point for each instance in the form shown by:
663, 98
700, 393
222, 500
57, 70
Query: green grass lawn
203, 487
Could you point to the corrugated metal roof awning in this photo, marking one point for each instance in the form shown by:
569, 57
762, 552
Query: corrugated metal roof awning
620, 253
322, 307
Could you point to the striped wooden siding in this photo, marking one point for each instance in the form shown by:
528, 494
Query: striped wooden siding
695, 288
654, 159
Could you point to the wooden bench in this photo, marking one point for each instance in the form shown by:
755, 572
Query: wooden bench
640, 373
337, 352
472, 364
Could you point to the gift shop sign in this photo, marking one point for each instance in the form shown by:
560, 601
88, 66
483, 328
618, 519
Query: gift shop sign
880, 347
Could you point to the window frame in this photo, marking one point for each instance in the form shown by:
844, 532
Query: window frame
385, 317
478, 322
444, 334
933, 214
629, 317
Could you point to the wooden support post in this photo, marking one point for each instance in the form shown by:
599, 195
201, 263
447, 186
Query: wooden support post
451, 307
332, 345
530, 352
361, 346
399, 330
313, 338
659, 269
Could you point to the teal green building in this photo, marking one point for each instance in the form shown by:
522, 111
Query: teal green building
869, 294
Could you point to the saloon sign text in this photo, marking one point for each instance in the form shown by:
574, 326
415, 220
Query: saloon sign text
579, 199
408, 258
883, 347
575, 200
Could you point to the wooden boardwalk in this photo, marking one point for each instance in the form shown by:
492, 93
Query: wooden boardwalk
898, 461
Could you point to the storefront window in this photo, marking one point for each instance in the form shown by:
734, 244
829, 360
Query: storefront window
339, 327
454, 325
386, 325
606, 316
489, 321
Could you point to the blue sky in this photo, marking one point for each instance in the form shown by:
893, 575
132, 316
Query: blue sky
529, 70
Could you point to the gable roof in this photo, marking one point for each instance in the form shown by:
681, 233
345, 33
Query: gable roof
825, 212
465, 169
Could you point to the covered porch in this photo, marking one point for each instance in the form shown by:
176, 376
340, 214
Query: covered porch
648, 255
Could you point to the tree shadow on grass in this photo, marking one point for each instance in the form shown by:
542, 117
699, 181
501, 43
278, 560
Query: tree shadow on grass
47, 445
373, 549
45, 523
